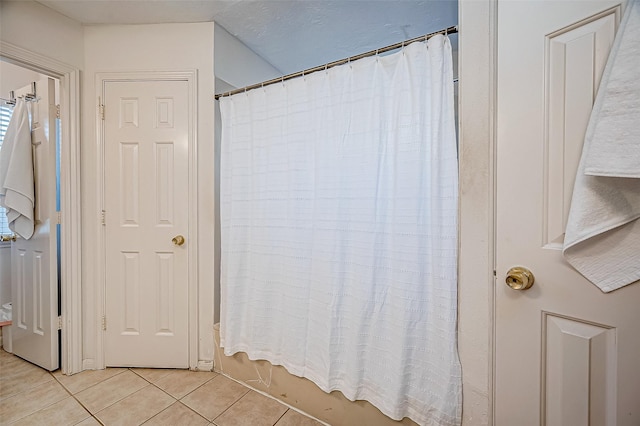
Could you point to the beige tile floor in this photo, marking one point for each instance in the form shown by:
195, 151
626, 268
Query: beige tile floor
30, 395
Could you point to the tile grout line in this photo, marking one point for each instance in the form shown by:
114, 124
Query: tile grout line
132, 369
27, 390
69, 393
184, 396
149, 382
121, 399
77, 400
94, 415
174, 399
280, 418
18, 393
188, 407
3, 377
234, 403
212, 420
289, 406
177, 401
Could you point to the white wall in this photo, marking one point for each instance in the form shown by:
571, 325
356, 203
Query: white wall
236, 64
37, 28
139, 48
13, 77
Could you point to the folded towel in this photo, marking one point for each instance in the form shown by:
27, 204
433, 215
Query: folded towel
602, 239
16, 173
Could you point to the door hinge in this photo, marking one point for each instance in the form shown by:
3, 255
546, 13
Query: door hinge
58, 111
104, 323
103, 217
101, 111
59, 323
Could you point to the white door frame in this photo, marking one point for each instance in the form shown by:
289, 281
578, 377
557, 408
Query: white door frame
476, 270
70, 287
191, 77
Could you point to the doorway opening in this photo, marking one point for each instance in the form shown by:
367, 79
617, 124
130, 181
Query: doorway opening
67, 206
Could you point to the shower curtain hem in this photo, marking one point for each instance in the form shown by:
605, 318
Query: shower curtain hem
352, 393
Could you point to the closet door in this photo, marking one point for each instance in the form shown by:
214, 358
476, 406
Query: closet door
146, 139
566, 353
34, 262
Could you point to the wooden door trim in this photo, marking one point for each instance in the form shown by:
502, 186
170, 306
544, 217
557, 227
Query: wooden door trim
190, 76
71, 232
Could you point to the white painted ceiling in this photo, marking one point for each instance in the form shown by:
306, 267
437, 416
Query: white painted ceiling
292, 35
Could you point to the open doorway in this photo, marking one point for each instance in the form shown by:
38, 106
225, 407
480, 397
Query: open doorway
66, 104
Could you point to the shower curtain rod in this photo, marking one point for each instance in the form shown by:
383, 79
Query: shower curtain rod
446, 31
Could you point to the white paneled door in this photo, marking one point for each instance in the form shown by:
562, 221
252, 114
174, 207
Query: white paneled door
146, 203
34, 262
566, 353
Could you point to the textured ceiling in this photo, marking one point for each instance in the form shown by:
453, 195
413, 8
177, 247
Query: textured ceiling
290, 34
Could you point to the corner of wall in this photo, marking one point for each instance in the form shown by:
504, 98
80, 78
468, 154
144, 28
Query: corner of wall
49, 33
238, 65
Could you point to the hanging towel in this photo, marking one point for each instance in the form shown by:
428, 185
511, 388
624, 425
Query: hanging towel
602, 239
16, 173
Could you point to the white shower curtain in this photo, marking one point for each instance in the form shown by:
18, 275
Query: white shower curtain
339, 230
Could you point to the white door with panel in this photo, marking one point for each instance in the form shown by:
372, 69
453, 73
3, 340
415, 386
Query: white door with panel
34, 262
566, 353
146, 203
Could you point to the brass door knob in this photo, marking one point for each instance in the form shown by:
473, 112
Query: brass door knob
519, 278
178, 240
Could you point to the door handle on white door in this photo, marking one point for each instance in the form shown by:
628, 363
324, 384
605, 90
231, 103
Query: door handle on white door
519, 278
178, 240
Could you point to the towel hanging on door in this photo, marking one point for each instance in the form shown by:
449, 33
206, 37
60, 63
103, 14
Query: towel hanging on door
16, 173
602, 239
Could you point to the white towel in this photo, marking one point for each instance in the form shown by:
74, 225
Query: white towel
602, 239
615, 150
16, 173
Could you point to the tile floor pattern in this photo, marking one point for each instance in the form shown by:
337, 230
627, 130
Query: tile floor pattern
30, 395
